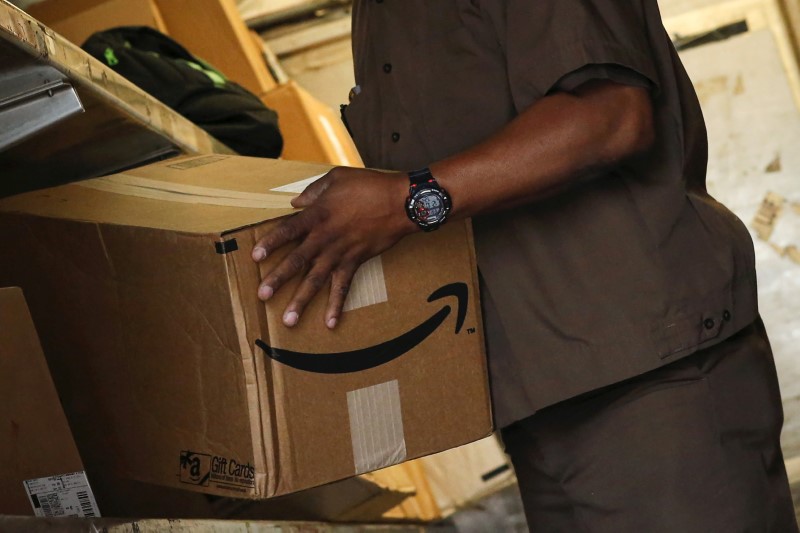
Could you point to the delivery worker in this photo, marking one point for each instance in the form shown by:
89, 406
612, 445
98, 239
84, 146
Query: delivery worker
630, 371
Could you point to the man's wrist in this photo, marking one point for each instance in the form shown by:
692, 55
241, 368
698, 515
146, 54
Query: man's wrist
399, 197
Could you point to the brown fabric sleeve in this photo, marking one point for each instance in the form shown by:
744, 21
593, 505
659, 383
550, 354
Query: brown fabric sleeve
545, 41
615, 73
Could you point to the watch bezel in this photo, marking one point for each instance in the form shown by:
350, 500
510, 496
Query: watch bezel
422, 192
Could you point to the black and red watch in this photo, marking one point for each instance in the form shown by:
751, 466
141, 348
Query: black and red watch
428, 204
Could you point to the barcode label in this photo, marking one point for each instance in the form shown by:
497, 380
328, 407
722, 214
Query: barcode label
51, 505
61, 496
86, 504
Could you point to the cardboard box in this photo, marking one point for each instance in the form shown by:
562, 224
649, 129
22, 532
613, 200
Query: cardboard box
421, 507
35, 439
215, 31
311, 130
145, 293
36, 442
451, 480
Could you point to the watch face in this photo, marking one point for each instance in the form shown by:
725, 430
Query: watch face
429, 207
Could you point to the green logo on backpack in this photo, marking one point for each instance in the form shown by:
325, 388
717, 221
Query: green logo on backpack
111, 58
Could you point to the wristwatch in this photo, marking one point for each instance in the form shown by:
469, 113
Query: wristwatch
428, 204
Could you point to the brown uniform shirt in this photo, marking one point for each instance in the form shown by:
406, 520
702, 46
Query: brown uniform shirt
624, 273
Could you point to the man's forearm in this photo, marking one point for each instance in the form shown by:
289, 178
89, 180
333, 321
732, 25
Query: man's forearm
555, 142
550, 145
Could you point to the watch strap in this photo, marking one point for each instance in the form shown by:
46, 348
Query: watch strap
418, 177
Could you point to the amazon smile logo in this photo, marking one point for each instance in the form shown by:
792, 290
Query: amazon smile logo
366, 358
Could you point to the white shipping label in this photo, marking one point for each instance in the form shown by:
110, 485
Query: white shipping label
298, 186
62, 496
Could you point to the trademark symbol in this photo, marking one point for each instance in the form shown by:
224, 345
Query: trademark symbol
470, 331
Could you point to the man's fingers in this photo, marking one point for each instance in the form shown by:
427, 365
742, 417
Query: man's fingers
341, 280
314, 281
297, 262
289, 229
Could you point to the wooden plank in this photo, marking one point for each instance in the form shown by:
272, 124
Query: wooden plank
22, 524
311, 130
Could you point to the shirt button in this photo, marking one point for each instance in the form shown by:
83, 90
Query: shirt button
395, 136
709, 323
726, 315
387, 68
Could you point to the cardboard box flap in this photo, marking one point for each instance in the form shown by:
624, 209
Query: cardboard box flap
73, 117
181, 194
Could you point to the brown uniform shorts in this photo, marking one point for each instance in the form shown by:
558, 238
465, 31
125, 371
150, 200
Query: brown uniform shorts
690, 447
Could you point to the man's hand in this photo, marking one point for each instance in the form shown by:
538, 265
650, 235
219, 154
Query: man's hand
350, 215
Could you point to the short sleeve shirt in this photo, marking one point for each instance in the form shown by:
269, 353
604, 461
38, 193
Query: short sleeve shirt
620, 274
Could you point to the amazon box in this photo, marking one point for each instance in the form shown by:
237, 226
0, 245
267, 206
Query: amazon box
170, 369
311, 130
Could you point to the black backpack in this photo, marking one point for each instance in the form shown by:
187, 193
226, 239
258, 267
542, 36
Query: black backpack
190, 86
